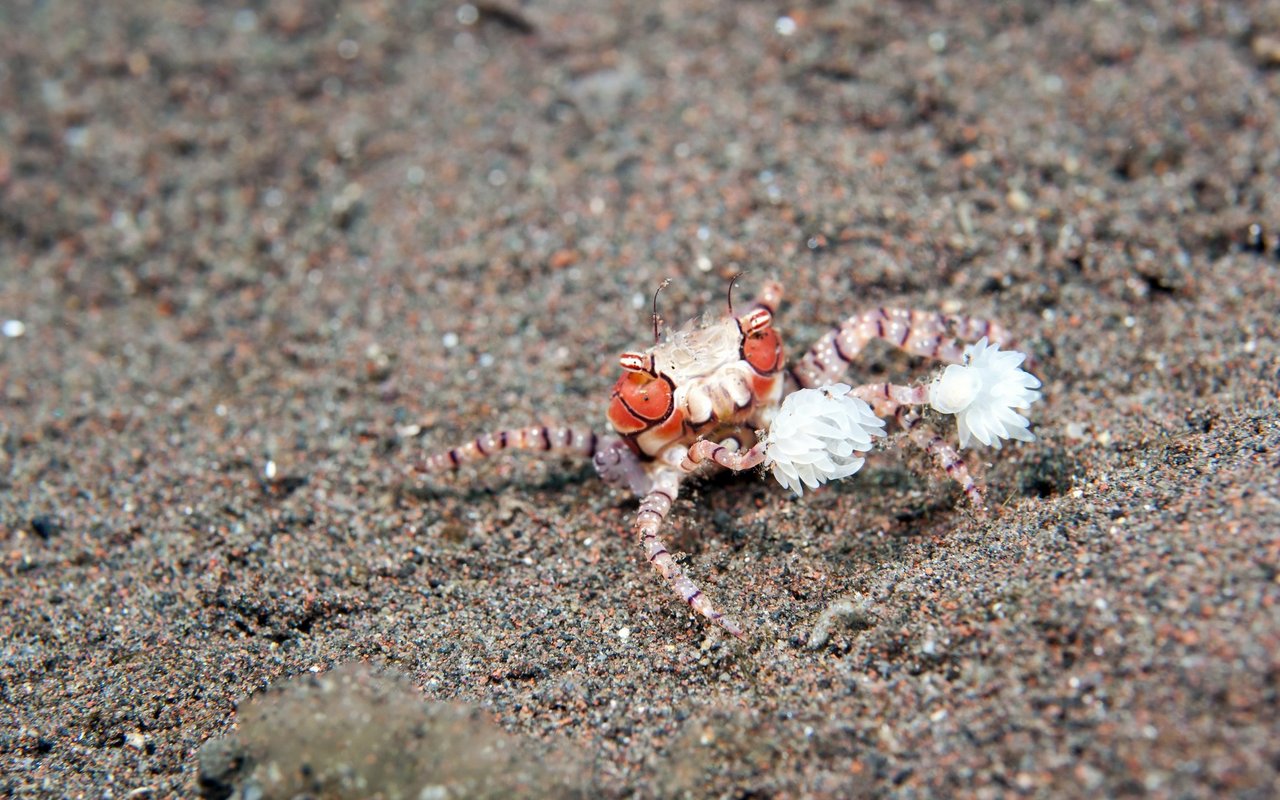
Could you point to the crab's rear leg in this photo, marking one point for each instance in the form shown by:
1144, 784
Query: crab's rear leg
921, 333
654, 508
888, 399
541, 438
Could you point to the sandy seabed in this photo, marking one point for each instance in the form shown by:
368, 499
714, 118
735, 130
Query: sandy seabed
258, 261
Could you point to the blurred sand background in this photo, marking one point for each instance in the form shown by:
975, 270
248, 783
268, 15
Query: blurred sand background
256, 260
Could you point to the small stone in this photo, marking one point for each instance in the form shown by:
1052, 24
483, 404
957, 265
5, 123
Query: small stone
45, 526
221, 763
1267, 50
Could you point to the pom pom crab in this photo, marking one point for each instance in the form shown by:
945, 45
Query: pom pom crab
720, 395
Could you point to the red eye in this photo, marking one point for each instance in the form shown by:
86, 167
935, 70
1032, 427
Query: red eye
763, 351
640, 401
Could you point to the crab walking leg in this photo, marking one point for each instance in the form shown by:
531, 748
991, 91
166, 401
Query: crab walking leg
886, 398
770, 297
705, 450
943, 453
653, 510
542, 438
617, 465
893, 400
921, 333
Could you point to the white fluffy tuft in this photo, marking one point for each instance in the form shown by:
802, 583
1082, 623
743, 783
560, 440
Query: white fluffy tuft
819, 435
983, 393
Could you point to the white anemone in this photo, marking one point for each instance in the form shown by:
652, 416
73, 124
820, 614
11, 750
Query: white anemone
983, 393
819, 435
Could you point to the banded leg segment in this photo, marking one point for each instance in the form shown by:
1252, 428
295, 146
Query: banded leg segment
769, 298
900, 402
541, 438
946, 456
921, 333
886, 398
705, 450
654, 508
617, 465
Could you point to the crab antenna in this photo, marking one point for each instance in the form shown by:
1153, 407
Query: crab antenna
656, 319
733, 282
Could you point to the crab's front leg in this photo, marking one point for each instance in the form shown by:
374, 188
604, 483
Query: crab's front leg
900, 402
617, 465
927, 438
705, 450
654, 508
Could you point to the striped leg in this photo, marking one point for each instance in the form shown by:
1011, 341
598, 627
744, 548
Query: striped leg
770, 297
541, 438
617, 465
927, 438
653, 510
921, 333
705, 450
888, 399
